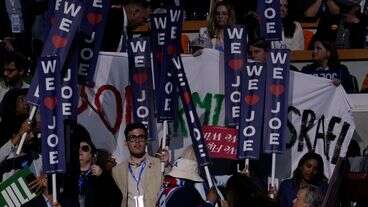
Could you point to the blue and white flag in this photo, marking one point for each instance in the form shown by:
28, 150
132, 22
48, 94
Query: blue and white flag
235, 56
270, 19
68, 16
251, 107
140, 76
53, 149
276, 101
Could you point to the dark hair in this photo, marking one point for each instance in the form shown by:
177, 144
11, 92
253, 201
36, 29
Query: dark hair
260, 43
319, 177
132, 126
242, 190
10, 121
212, 30
333, 60
140, 3
19, 60
288, 24
81, 133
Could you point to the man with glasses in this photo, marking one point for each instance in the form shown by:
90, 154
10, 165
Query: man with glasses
14, 67
139, 178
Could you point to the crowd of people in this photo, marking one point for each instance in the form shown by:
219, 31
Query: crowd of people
96, 179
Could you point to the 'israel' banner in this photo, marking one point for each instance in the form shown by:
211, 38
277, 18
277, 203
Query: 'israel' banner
90, 39
270, 19
53, 151
140, 75
194, 125
251, 106
276, 101
59, 40
235, 56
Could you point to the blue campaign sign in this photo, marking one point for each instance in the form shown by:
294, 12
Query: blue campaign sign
141, 81
276, 101
59, 40
235, 56
53, 151
251, 107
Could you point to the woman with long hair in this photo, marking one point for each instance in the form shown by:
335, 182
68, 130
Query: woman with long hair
213, 36
310, 171
326, 64
292, 34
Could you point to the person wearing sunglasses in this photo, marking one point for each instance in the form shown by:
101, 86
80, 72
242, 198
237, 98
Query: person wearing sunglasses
13, 69
139, 177
95, 187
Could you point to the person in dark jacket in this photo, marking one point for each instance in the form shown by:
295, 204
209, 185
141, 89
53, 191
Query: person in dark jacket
95, 187
310, 171
326, 64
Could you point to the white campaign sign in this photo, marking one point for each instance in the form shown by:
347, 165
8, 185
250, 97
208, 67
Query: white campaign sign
315, 104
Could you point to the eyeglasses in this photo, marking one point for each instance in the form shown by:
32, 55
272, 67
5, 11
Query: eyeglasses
137, 138
85, 148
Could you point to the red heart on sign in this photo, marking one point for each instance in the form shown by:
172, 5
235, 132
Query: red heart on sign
94, 18
277, 89
187, 98
59, 41
235, 64
50, 102
140, 77
251, 99
171, 49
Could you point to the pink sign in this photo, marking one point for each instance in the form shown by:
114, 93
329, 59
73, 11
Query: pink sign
221, 142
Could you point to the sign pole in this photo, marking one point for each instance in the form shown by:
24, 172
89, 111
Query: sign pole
24, 135
54, 193
163, 144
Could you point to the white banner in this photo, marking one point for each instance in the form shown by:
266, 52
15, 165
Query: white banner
314, 100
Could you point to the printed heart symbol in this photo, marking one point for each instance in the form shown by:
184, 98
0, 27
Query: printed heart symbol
235, 64
187, 98
277, 89
171, 49
251, 99
118, 108
159, 56
59, 41
140, 78
94, 18
50, 102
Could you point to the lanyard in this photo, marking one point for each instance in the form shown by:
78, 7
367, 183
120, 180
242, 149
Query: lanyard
137, 180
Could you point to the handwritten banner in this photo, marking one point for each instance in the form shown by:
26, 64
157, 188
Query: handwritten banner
235, 56
221, 142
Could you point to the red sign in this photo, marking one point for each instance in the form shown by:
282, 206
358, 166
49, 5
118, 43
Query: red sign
221, 142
